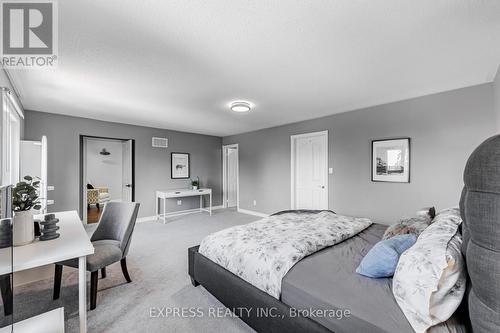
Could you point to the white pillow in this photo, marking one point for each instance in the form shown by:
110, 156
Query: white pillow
429, 282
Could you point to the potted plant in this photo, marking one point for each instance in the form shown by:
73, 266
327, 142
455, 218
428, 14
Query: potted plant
24, 198
195, 183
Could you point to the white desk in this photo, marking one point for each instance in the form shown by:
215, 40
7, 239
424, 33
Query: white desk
181, 193
48, 322
73, 243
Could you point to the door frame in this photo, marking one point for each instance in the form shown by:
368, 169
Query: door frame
293, 139
224, 174
82, 172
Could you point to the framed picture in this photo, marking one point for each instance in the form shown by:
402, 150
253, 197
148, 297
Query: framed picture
391, 160
180, 165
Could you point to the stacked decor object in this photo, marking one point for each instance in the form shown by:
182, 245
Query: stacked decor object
49, 228
5, 234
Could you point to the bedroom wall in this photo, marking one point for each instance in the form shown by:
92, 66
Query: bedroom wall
152, 165
444, 129
496, 87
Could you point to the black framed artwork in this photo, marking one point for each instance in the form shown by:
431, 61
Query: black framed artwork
391, 160
180, 165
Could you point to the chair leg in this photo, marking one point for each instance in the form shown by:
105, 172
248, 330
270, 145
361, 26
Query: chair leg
123, 262
103, 272
97, 205
93, 289
6, 290
57, 281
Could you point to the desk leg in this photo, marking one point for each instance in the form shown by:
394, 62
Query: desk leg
157, 213
82, 293
201, 203
210, 204
164, 211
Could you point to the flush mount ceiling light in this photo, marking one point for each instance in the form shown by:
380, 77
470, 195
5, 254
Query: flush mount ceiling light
240, 106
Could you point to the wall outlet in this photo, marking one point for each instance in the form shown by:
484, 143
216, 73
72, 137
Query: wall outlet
330, 171
255, 203
179, 202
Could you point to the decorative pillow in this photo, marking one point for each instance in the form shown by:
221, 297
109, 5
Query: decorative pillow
382, 259
414, 225
429, 282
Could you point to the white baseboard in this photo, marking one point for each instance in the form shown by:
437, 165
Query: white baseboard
252, 212
177, 213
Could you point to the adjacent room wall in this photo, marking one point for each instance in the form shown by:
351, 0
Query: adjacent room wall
496, 87
152, 165
444, 129
105, 170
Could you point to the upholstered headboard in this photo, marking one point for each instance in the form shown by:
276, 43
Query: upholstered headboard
480, 209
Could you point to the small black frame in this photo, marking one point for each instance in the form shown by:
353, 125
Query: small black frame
172, 165
409, 160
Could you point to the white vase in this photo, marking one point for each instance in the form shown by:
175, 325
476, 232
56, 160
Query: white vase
24, 231
195, 188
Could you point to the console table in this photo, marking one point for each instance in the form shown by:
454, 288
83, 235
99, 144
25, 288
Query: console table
181, 193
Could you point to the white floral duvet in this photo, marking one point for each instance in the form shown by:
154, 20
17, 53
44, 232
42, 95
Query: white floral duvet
262, 252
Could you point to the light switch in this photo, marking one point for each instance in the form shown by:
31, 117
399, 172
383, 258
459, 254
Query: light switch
179, 202
330, 171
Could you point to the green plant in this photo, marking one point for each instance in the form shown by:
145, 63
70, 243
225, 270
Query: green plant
25, 195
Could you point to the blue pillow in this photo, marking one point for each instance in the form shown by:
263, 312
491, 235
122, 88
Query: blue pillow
382, 259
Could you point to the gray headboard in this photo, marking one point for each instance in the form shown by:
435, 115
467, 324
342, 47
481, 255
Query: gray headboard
480, 209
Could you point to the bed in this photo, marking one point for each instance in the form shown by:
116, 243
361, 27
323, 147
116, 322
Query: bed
326, 279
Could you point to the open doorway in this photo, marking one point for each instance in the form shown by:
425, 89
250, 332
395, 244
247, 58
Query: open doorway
106, 174
230, 176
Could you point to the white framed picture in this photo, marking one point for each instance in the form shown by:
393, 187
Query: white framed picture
180, 165
391, 160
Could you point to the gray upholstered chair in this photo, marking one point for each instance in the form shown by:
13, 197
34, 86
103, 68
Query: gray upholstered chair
111, 241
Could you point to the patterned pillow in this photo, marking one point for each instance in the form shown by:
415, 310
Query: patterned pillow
413, 226
429, 282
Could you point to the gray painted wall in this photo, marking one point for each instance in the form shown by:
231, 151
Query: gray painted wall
444, 129
152, 165
496, 87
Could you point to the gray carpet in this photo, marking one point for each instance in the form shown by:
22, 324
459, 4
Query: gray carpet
158, 267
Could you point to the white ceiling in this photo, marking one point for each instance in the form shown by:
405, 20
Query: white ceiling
177, 64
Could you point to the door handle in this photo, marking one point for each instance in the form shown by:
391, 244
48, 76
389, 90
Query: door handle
128, 185
322, 186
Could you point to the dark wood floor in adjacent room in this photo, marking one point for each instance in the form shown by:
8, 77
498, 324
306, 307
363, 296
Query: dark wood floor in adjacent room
93, 215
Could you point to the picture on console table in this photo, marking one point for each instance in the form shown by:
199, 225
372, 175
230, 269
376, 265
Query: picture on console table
180, 165
391, 160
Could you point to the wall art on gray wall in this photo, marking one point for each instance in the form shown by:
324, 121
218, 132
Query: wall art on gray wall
180, 165
391, 160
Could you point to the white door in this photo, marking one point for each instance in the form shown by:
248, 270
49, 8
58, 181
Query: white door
34, 163
232, 177
310, 171
127, 171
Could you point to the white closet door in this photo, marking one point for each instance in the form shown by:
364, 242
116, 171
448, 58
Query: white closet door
310, 172
232, 174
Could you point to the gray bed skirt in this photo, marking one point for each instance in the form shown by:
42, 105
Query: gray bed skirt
236, 293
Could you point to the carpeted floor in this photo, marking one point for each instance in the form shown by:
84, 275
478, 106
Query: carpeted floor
157, 264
